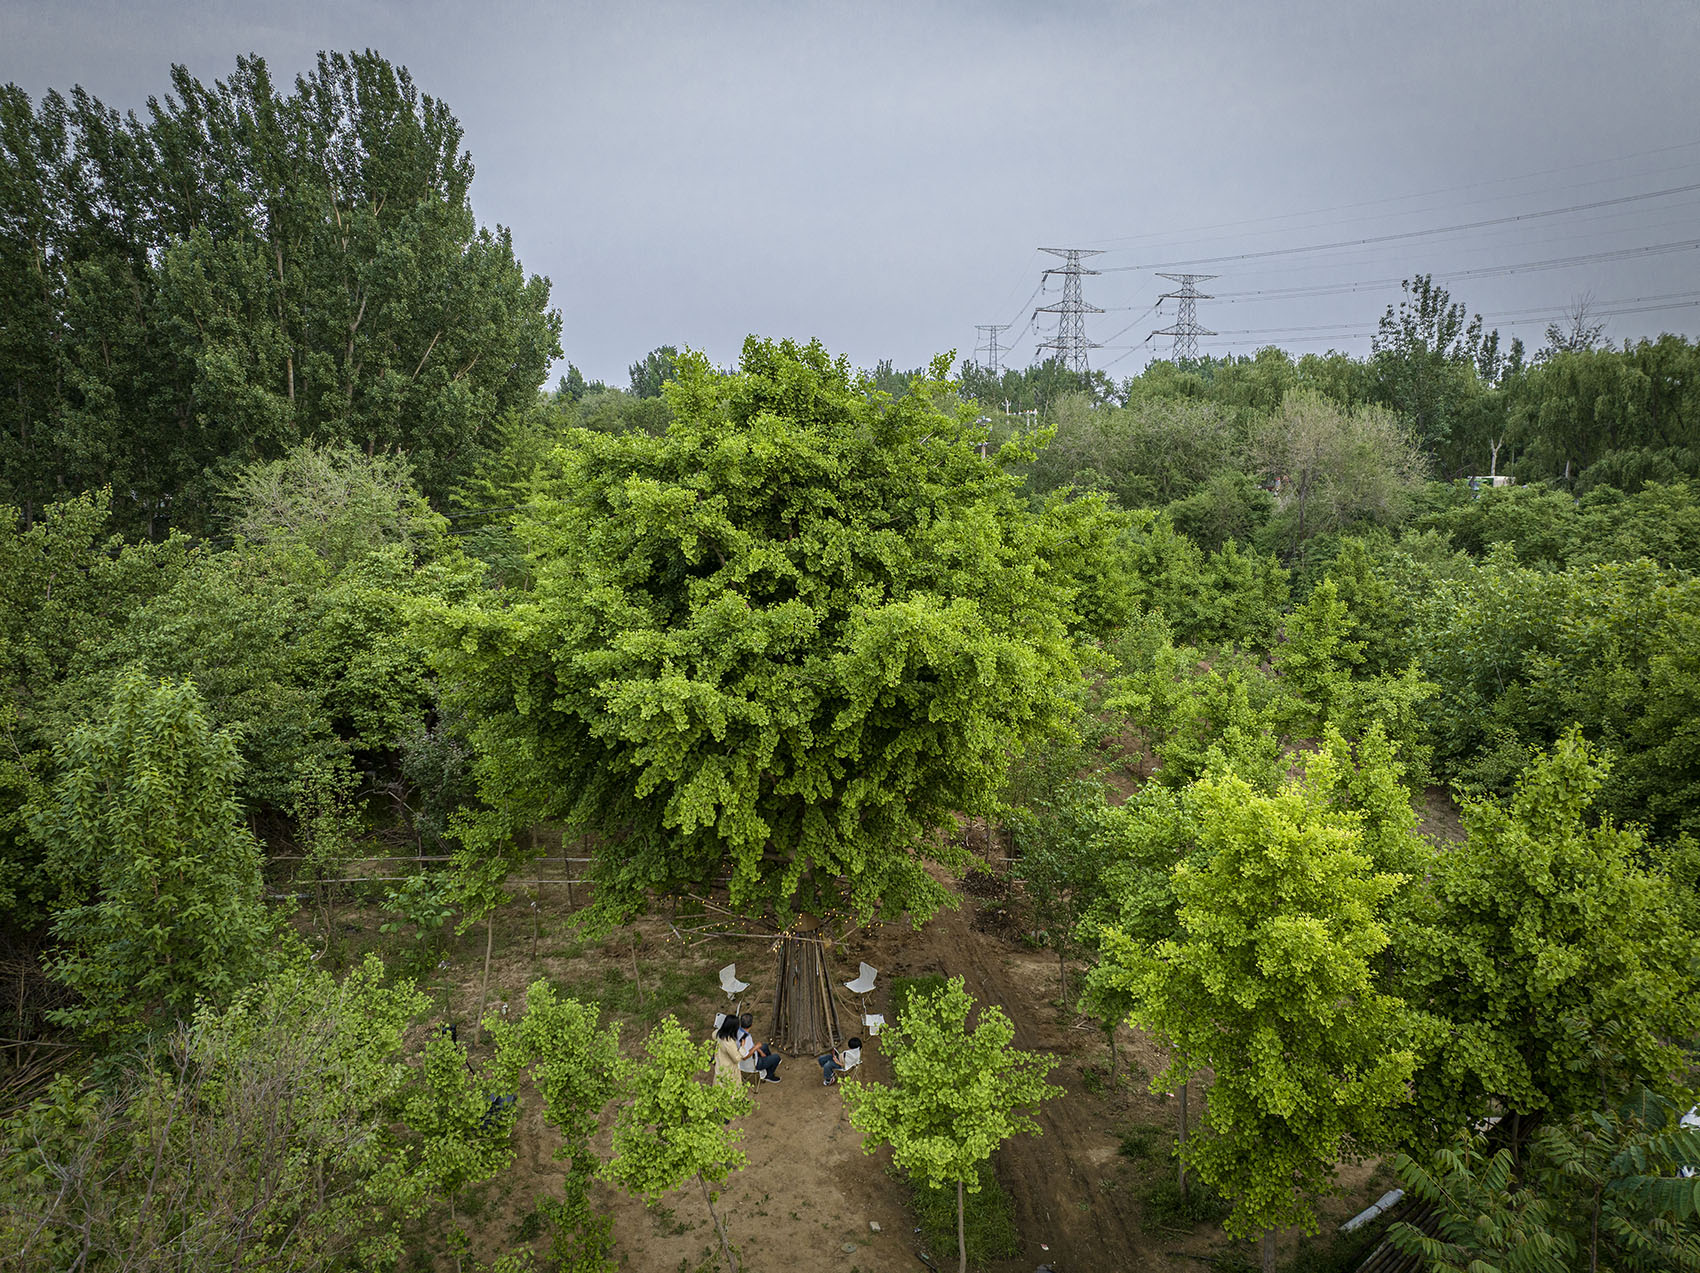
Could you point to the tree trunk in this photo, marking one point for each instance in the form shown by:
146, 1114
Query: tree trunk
1594, 1232
719, 1228
1112, 1033
1267, 1246
1181, 1157
1062, 974
484, 990
961, 1233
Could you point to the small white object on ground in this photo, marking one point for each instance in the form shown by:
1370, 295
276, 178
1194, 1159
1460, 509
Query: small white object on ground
873, 1226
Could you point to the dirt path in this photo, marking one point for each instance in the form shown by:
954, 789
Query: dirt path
808, 1196
1053, 1178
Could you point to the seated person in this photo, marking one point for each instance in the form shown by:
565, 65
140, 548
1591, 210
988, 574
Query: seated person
834, 1063
767, 1064
727, 1053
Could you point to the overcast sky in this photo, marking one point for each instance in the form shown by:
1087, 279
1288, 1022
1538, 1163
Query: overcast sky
881, 175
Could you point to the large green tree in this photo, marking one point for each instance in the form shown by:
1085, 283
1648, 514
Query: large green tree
779, 645
1270, 981
161, 906
1560, 965
243, 268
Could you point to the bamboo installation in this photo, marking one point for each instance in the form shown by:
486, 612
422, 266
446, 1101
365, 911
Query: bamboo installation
805, 1012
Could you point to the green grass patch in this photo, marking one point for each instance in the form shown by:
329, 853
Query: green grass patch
1334, 1252
1164, 1207
905, 988
665, 987
988, 1221
1140, 1143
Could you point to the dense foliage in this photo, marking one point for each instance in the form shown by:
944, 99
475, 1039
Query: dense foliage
781, 643
241, 270
305, 573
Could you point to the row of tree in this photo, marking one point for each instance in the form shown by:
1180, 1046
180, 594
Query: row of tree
1582, 412
243, 269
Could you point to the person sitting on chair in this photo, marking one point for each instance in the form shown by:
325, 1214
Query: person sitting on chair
834, 1063
727, 1053
767, 1064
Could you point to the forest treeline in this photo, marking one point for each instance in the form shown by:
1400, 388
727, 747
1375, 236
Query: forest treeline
304, 563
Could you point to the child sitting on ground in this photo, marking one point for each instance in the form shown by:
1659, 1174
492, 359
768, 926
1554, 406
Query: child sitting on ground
832, 1063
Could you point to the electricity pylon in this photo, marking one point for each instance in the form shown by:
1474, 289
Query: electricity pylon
989, 343
1186, 330
1070, 341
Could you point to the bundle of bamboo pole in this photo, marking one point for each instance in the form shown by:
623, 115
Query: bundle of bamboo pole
805, 1013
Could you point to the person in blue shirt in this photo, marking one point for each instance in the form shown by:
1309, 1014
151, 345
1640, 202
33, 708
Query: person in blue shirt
767, 1064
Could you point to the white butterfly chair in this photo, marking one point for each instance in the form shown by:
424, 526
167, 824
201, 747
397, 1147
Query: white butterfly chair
731, 985
861, 988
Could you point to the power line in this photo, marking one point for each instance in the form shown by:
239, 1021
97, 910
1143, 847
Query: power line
1419, 234
1135, 323
1070, 341
1510, 318
1421, 194
1486, 271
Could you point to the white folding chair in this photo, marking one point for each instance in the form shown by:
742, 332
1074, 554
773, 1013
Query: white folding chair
863, 985
731, 985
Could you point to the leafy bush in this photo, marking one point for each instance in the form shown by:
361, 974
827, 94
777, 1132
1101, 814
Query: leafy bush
1166, 1207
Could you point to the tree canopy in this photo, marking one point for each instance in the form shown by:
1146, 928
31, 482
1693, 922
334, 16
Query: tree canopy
244, 268
779, 644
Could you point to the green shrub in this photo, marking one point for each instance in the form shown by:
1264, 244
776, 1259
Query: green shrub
1139, 1143
1165, 1207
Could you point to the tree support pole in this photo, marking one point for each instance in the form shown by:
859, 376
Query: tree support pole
1181, 1158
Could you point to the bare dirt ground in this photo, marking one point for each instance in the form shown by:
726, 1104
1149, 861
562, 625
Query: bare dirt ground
809, 1193
808, 1196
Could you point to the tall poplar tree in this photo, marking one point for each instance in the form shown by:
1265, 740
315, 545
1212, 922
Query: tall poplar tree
243, 267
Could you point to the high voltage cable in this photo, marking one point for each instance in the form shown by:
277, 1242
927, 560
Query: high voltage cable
1024, 304
1420, 194
1510, 318
1202, 242
1414, 234
1495, 244
1484, 271
1135, 323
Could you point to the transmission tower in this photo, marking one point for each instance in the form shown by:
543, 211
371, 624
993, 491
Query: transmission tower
1186, 330
1070, 341
989, 343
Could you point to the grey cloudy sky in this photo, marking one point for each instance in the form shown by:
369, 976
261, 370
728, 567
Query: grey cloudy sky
880, 175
